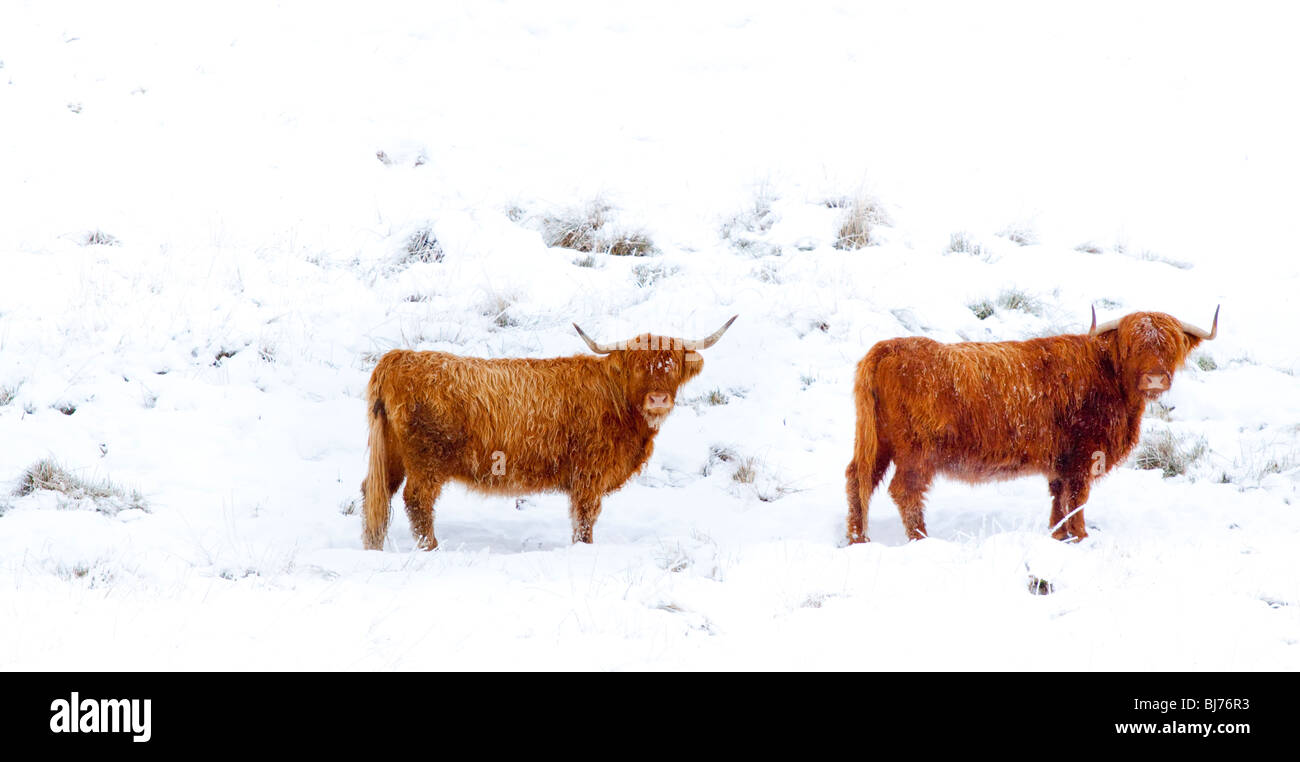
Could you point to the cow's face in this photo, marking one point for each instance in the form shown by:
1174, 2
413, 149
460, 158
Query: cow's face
650, 368
653, 368
1148, 348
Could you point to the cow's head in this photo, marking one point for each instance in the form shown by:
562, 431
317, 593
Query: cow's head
651, 368
1147, 347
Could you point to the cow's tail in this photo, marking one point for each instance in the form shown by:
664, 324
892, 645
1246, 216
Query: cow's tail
860, 474
376, 494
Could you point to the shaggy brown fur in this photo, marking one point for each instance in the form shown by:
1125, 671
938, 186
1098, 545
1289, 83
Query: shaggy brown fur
581, 425
1068, 407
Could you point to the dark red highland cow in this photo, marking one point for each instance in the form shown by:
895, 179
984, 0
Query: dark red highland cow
582, 425
1068, 407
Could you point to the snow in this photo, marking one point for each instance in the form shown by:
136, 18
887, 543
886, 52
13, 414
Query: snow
217, 353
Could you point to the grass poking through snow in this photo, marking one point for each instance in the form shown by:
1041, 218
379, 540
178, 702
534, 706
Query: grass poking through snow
108, 498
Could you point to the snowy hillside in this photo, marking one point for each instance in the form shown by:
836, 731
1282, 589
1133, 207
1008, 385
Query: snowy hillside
213, 222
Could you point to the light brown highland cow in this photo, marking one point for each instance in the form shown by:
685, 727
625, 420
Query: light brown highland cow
1068, 407
581, 425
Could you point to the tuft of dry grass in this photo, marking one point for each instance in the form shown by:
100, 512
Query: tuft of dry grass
1088, 247
1015, 299
718, 454
745, 228
961, 242
746, 471
857, 223
1170, 453
628, 243
648, 275
423, 246
588, 229
8, 393
48, 474
576, 228
1008, 299
100, 238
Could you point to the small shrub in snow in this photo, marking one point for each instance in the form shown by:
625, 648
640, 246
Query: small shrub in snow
628, 243
982, 309
222, 355
107, 497
100, 238
67, 408
1040, 586
587, 229
1015, 299
648, 275
718, 454
716, 397
962, 243
8, 393
423, 246
858, 222
1205, 362
1170, 453
587, 261
1088, 247
576, 228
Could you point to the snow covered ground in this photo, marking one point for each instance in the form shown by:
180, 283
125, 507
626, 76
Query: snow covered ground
206, 218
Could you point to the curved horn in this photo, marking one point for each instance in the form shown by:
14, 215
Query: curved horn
599, 349
1201, 332
711, 339
1109, 325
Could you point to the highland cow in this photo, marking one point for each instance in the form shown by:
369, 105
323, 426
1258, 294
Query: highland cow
1068, 407
581, 425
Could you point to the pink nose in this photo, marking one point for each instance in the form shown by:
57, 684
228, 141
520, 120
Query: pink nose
1155, 382
658, 400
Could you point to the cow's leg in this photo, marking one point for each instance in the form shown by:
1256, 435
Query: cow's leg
1079, 488
421, 493
857, 518
860, 498
584, 509
908, 490
1057, 488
